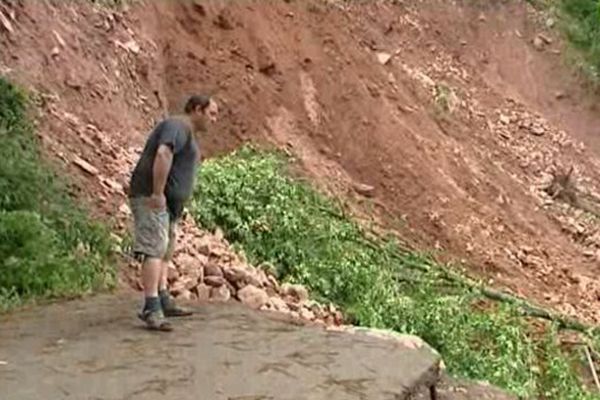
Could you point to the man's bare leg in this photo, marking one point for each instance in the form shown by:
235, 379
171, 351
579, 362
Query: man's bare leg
164, 273
151, 275
170, 308
153, 313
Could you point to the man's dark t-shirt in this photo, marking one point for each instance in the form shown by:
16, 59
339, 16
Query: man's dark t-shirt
176, 134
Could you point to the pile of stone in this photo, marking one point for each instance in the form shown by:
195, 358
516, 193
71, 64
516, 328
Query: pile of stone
206, 269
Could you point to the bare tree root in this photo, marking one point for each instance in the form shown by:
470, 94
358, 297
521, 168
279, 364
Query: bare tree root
563, 187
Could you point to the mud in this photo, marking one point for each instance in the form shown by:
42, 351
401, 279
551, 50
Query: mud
95, 349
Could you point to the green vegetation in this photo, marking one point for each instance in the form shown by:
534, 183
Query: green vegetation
276, 219
582, 28
48, 246
114, 4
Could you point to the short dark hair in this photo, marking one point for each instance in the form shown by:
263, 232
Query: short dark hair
196, 100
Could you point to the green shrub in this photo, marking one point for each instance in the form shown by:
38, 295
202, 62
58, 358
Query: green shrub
288, 224
35, 261
582, 27
48, 246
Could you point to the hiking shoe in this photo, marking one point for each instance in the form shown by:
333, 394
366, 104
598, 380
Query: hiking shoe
155, 321
173, 310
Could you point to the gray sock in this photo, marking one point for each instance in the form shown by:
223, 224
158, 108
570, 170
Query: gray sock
152, 304
165, 298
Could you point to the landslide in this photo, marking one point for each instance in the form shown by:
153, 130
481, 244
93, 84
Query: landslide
442, 121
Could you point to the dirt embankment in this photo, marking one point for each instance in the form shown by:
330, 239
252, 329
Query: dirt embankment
451, 118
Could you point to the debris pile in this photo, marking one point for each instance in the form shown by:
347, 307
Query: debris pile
205, 268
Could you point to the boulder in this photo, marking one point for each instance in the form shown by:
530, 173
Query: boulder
298, 292
215, 281
203, 292
253, 297
213, 270
220, 294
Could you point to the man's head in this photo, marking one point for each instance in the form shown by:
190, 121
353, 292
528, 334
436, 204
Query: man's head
201, 109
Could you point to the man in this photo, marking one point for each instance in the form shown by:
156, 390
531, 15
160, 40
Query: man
161, 183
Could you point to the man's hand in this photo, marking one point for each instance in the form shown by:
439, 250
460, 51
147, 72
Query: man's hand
157, 202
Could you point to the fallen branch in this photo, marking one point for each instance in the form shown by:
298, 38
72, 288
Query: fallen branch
530, 310
438, 283
592, 367
564, 188
526, 308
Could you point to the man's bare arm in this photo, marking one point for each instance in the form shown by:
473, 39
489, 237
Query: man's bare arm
160, 172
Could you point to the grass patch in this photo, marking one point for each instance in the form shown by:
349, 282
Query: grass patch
581, 24
48, 246
279, 220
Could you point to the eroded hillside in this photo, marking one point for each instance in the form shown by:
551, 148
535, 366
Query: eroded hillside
448, 120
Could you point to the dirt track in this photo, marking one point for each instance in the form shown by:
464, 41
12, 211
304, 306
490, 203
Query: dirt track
465, 178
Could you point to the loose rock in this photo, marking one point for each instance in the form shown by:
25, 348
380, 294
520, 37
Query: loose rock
293, 306
253, 297
204, 248
220, 294
298, 292
224, 19
545, 39
185, 261
6, 23
365, 190
278, 304
199, 7
235, 274
213, 270
85, 166
538, 43
262, 277
273, 282
177, 287
172, 274
185, 295
203, 292
504, 119
537, 130
215, 281
384, 58
189, 281
307, 314
265, 61
131, 46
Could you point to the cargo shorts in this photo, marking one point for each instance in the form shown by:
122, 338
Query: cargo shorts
154, 231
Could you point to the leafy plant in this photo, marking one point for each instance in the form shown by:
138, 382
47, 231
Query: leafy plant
582, 28
278, 220
48, 246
